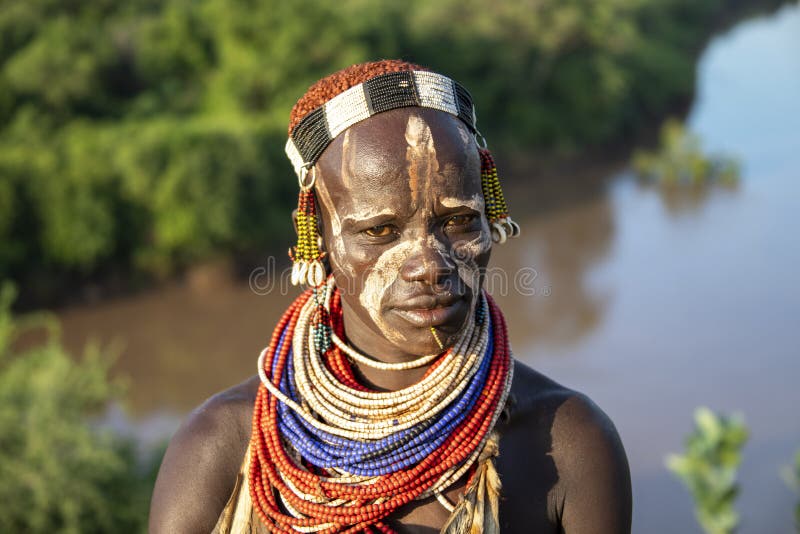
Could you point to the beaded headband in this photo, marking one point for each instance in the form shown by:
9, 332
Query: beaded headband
383, 92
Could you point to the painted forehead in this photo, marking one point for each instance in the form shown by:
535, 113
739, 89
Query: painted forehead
401, 158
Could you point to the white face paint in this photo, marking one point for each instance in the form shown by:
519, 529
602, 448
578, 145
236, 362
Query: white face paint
369, 212
421, 159
348, 155
465, 252
337, 243
382, 277
465, 135
476, 202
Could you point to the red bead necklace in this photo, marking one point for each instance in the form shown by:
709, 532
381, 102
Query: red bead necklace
274, 471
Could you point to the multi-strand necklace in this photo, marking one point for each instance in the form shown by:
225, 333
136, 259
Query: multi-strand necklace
330, 455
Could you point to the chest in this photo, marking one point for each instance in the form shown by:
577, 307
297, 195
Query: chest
529, 501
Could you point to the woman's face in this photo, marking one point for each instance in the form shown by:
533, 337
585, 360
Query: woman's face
404, 226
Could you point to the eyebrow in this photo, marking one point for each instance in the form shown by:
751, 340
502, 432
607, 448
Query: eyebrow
444, 209
441, 208
367, 222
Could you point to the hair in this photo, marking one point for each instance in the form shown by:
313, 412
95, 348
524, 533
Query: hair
339, 82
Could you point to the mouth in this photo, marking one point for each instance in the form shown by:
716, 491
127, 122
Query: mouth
431, 310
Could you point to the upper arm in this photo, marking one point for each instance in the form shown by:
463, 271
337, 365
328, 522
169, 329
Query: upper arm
198, 471
593, 469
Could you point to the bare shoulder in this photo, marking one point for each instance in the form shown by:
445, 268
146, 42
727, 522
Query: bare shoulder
572, 413
593, 488
201, 463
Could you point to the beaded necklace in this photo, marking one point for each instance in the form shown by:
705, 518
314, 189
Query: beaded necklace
332, 456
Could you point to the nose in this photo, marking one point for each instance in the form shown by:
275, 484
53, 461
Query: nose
429, 263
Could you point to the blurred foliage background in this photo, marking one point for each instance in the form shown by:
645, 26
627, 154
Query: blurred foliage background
61, 472
137, 137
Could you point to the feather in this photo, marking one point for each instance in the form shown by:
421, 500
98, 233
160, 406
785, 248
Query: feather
477, 512
237, 516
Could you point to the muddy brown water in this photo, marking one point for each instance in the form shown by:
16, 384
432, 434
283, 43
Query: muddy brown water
652, 301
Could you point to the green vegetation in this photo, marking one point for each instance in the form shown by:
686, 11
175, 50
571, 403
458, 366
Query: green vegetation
60, 473
680, 160
140, 136
792, 477
709, 466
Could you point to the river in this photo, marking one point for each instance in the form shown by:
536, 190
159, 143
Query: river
651, 301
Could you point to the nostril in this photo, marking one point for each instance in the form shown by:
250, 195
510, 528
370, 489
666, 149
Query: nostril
429, 265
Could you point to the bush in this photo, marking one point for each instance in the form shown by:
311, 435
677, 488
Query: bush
59, 473
679, 160
791, 474
709, 467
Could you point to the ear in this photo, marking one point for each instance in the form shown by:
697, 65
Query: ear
320, 225
294, 220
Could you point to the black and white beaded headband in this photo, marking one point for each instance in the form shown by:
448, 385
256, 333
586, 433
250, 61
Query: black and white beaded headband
384, 92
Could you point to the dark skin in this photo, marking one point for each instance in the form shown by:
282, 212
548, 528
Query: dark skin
402, 223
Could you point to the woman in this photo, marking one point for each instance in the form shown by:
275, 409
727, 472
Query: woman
388, 399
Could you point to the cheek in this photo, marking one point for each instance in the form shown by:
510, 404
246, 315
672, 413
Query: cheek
334, 243
472, 256
343, 268
380, 278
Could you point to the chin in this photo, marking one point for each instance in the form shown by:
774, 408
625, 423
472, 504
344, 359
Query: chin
417, 337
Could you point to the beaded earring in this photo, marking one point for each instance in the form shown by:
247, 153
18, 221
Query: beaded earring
306, 257
502, 226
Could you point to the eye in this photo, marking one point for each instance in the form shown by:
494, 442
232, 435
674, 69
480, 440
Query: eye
383, 230
459, 220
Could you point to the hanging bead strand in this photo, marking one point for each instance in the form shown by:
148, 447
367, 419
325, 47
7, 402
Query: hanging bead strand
307, 265
501, 224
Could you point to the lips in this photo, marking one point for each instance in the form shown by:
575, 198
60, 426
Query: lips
425, 311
